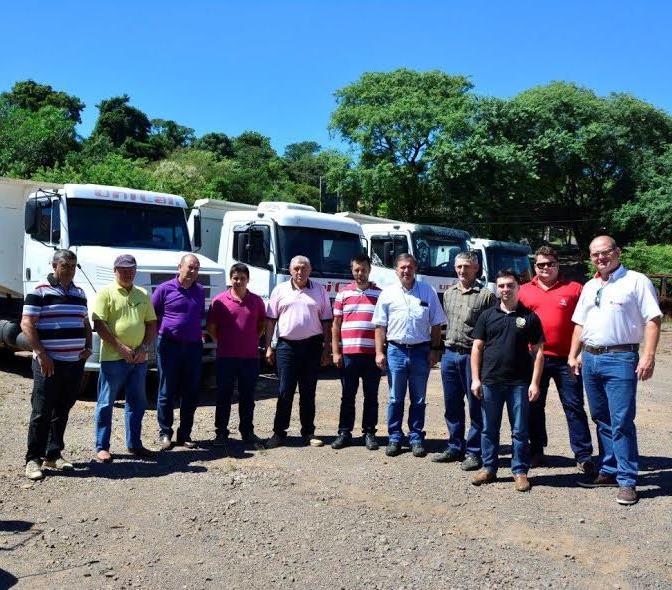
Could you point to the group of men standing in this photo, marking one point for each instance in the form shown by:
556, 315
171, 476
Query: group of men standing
497, 351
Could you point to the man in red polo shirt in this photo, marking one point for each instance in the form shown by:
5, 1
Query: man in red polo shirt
553, 298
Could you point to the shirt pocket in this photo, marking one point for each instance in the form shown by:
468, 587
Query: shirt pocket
419, 312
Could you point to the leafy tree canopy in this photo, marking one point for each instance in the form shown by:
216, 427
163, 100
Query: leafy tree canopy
31, 96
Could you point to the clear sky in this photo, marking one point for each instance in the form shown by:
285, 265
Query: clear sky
273, 66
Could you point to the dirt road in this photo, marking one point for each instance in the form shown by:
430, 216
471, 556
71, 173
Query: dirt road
309, 518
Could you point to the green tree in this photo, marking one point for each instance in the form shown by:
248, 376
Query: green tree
166, 136
125, 126
393, 120
31, 96
219, 144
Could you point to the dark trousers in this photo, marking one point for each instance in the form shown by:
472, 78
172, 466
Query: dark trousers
570, 390
179, 366
244, 371
298, 362
52, 399
356, 367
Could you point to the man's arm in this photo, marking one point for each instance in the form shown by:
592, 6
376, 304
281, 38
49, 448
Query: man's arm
29, 328
476, 358
140, 353
336, 355
647, 360
326, 335
270, 329
435, 355
574, 358
533, 391
88, 340
211, 329
381, 337
106, 335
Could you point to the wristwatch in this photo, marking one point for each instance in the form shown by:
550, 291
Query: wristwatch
144, 348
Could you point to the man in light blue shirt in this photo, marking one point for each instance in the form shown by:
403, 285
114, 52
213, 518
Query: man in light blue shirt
408, 318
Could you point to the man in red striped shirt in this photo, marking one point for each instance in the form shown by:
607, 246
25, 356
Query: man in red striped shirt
354, 352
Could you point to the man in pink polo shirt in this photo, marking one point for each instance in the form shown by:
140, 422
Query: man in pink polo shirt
553, 298
236, 320
301, 311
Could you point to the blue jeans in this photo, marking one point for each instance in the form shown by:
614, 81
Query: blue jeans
407, 368
245, 372
356, 367
570, 390
611, 387
179, 366
517, 406
114, 377
456, 377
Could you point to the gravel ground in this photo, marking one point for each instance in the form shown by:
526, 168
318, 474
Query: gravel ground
318, 518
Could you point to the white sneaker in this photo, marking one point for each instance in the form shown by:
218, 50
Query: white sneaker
34, 471
60, 463
316, 442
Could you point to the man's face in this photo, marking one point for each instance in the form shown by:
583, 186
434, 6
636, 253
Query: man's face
507, 289
406, 272
547, 268
125, 275
466, 271
187, 271
604, 255
300, 272
239, 281
64, 271
360, 272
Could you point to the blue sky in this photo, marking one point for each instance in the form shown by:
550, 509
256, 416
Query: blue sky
273, 66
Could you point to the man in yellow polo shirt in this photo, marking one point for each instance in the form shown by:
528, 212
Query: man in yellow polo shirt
125, 320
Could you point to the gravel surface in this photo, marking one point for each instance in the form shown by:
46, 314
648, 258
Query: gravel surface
298, 517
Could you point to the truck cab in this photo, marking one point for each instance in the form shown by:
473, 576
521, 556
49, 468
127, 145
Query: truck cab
495, 255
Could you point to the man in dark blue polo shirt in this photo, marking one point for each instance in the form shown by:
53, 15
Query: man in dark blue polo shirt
505, 371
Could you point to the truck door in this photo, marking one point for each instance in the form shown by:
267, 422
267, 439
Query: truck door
43, 236
252, 246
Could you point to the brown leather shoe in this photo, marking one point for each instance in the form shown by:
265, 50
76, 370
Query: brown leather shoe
537, 460
482, 477
521, 483
103, 456
626, 496
601, 481
141, 452
587, 468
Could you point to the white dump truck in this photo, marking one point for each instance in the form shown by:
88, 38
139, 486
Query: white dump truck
433, 246
496, 255
98, 223
266, 237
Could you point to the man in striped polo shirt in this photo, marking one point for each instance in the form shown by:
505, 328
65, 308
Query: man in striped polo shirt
353, 346
55, 321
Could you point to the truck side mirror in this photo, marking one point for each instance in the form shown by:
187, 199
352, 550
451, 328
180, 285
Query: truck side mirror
243, 247
388, 254
197, 231
55, 234
30, 216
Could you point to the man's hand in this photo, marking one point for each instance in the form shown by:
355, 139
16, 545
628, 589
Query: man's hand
85, 354
575, 364
434, 357
126, 353
270, 355
139, 356
337, 359
477, 388
46, 364
533, 392
381, 361
325, 361
645, 367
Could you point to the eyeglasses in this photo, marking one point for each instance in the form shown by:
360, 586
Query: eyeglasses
546, 264
598, 296
596, 255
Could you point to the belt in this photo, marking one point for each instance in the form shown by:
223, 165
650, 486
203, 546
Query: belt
401, 345
614, 348
456, 348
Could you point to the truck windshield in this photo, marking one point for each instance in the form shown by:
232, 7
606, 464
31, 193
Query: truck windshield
123, 225
436, 254
501, 259
329, 251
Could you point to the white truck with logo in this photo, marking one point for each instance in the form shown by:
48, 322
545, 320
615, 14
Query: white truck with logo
97, 223
433, 246
496, 255
266, 237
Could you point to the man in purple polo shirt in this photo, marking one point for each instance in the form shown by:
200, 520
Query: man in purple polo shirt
179, 305
235, 322
301, 311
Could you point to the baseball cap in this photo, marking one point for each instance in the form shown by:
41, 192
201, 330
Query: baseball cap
125, 261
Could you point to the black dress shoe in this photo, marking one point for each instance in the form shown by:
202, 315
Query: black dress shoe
418, 450
274, 442
342, 440
448, 456
393, 449
370, 441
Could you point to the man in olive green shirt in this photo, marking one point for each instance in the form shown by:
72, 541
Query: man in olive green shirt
125, 320
462, 303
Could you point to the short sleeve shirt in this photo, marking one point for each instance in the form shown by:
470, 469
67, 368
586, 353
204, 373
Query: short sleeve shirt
554, 307
179, 310
237, 324
300, 312
125, 313
507, 337
462, 309
408, 314
616, 312
356, 308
